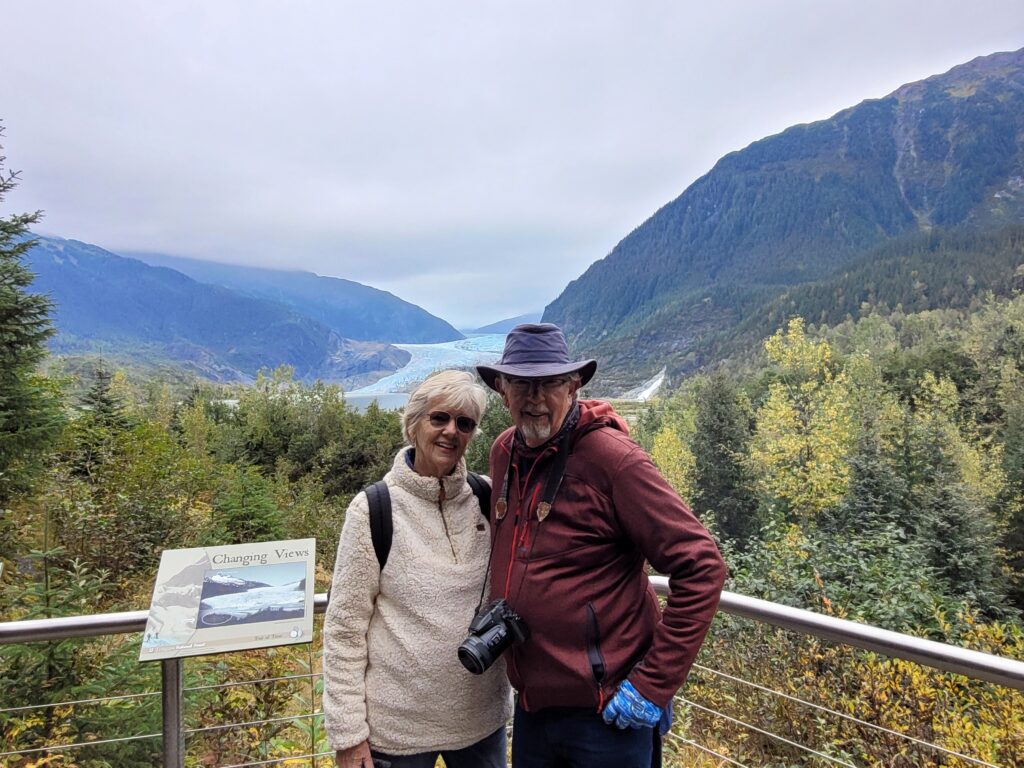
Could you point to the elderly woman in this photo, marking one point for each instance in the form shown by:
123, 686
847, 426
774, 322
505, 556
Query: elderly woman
395, 692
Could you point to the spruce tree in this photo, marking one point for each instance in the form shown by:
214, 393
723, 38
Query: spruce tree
1013, 465
30, 415
721, 483
960, 541
877, 496
866, 561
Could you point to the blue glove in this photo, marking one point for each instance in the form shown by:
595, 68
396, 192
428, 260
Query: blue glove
628, 709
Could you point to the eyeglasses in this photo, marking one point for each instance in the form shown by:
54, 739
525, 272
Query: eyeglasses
464, 424
547, 386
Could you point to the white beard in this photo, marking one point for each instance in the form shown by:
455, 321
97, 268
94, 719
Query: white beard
535, 433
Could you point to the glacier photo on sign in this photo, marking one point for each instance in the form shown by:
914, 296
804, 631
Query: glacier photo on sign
252, 594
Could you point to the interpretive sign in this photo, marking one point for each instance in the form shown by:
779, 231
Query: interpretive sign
230, 598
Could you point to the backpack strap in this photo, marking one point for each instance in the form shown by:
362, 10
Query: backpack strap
482, 491
381, 529
379, 500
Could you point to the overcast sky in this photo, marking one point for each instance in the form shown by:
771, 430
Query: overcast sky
471, 157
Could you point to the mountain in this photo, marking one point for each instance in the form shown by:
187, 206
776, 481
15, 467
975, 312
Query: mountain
798, 208
105, 301
506, 325
351, 309
218, 583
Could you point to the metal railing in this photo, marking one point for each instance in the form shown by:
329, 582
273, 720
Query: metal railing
947, 658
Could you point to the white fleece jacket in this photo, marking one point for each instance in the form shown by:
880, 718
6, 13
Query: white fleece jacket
391, 670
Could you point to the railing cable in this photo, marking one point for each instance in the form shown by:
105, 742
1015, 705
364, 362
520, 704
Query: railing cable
288, 718
313, 755
252, 682
769, 734
80, 701
76, 745
851, 718
702, 748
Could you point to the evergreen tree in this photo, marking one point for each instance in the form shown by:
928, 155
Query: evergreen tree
949, 517
245, 510
867, 563
722, 485
877, 494
29, 405
363, 453
92, 438
960, 542
107, 409
1013, 464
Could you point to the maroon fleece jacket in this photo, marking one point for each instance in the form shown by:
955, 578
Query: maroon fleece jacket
578, 578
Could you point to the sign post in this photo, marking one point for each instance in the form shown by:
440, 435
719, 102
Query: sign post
172, 683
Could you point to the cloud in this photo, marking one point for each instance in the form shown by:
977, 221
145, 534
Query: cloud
470, 157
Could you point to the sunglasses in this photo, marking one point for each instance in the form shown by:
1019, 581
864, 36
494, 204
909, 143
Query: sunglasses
464, 424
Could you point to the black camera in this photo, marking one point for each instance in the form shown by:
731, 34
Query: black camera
494, 629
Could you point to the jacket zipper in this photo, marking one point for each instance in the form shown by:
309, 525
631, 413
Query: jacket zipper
521, 492
594, 655
444, 521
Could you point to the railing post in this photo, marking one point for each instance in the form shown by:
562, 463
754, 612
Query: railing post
172, 685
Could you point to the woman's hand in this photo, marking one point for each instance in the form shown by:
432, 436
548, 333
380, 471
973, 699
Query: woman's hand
354, 757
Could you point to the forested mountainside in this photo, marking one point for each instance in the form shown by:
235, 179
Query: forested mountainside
351, 309
918, 272
108, 302
801, 207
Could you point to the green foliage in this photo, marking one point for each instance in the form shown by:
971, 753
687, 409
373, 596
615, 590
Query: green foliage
672, 455
1013, 495
878, 464
363, 453
284, 427
120, 489
648, 424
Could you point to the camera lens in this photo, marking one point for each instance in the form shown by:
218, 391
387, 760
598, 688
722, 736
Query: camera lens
475, 655
493, 630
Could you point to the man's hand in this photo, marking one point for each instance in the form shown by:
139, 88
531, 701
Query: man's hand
628, 709
354, 757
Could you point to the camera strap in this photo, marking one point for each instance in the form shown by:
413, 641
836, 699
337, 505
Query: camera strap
552, 483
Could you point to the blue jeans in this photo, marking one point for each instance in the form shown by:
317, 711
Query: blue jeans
486, 753
567, 737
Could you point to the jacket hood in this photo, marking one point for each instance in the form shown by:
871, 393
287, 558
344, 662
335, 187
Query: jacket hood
597, 413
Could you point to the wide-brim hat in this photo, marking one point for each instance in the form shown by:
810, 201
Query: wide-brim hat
536, 351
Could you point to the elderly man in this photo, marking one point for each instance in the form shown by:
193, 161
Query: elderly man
578, 509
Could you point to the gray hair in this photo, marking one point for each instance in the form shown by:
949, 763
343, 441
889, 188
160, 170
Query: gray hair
455, 389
